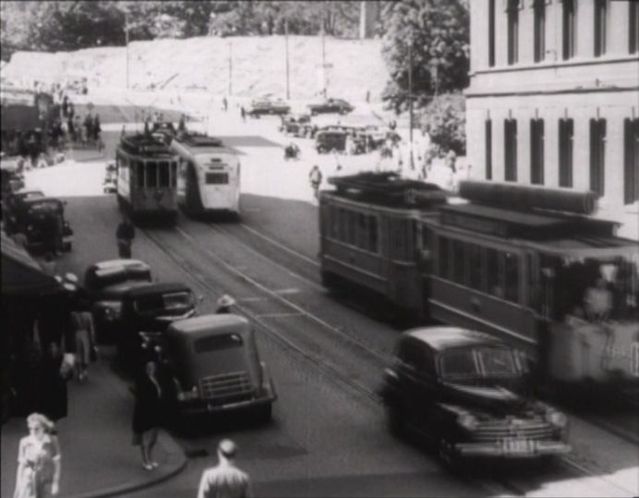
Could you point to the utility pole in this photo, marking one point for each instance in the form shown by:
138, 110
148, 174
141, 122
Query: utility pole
126, 34
230, 68
288, 93
323, 60
410, 100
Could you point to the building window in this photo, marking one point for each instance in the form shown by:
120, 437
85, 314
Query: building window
631, 160
569, 33
566, 132
633, 27
488, 127
510, 150
513, 31
537, 151
597, 155
539, 13
601, 21
491, 33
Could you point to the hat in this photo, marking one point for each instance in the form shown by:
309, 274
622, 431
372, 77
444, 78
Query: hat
226, 300
227, 448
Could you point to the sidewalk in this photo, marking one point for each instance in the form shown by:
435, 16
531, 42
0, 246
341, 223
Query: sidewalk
97, 456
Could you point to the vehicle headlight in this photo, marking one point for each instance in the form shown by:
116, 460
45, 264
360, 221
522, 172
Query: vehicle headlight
556, 418
30, 228
188, 395
112, 311
467, 421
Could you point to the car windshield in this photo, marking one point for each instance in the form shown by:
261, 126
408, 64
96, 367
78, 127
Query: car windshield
44, 206
479, 363
218, 342
174, 301
104, 277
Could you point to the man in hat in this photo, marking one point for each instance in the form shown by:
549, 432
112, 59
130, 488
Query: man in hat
224, 304
225, 479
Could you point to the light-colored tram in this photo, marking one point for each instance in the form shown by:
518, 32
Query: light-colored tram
519, 262
208, 177
146, 178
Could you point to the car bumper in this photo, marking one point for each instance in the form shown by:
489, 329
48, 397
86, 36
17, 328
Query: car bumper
202, 406
528, 449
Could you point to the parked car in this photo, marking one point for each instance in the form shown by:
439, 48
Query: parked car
215, 367
339, 106
264, 106
146, 313
467, 394
105, 283
298, 125
330, 140
42, 221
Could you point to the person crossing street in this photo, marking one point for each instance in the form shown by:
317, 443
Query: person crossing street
125, 234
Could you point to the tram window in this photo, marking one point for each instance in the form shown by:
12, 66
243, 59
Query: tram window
493, 273
372, 234
362, 230
475, 267
443, 256
352, 228
151, 169
342, 225
164, 174
173, 173
217, 178
511, 273
138, 167
458, 261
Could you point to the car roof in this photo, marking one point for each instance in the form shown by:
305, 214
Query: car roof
204, 325
158, 288
114, 264
37, 200
442, 338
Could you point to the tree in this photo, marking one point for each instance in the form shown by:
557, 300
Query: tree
439, 33
444, 119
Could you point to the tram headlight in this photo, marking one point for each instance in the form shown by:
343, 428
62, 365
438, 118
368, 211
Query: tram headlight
468, 421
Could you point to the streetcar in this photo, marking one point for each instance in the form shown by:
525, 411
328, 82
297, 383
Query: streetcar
146, 178
515, 261
208, 176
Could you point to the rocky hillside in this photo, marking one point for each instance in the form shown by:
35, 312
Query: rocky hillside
258, 66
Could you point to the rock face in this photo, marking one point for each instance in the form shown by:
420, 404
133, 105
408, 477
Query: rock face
241, 66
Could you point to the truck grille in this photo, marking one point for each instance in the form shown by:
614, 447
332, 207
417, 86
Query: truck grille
228, 387
535, 429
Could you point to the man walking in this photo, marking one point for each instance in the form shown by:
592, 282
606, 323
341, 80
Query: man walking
125, 234
225, 480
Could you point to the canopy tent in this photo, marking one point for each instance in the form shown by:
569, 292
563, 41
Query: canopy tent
21, 274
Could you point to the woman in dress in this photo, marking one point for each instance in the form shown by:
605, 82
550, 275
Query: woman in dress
147, 414
39, 465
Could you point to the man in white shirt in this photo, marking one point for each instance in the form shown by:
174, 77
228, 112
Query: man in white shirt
225, 480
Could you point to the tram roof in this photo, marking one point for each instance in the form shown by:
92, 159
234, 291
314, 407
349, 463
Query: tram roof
442, 338
202, 144
145, 145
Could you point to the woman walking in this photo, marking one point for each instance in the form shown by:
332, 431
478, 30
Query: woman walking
147, 414
84, 332
39, 465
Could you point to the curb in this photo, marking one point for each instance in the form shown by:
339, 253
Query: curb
174, 468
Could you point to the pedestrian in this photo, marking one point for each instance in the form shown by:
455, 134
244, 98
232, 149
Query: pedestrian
315, 177
225, 479
39, 460
125, 234
243, 113
147, 413
224, 304
84, 331
97, 129
225, 104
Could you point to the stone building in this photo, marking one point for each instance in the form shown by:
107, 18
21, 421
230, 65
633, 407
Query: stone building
554, 98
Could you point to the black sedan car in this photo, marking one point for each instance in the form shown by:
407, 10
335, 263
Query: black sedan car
466, 394
339, 106
105, 283
262, 107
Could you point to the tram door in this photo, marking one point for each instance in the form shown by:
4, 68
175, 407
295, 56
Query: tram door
404, 278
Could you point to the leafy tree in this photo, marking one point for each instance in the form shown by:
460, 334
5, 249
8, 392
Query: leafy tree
438, 31
444, 119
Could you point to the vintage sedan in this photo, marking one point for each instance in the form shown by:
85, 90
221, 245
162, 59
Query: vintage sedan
331, 105
298, 125
466, 393
146, 313
265, 106
215, 367
105, 283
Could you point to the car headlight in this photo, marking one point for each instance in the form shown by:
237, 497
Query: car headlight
556, 418
188, 395
112, 311
467, 421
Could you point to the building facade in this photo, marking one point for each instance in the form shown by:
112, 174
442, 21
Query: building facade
553, 98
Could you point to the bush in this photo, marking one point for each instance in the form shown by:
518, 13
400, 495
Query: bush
444, 119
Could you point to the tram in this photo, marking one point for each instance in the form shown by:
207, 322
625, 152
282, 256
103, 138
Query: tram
519, 262
208, 177
146, 178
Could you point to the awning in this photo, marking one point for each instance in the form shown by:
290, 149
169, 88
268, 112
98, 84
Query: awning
21, 274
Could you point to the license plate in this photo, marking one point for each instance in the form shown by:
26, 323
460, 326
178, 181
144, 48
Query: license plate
517, 445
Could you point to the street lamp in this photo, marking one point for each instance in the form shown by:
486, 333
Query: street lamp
410, 101
126, 34
288, 94
230, 68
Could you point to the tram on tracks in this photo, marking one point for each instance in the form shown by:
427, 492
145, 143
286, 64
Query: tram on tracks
208, 176
524, 263
146, 178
